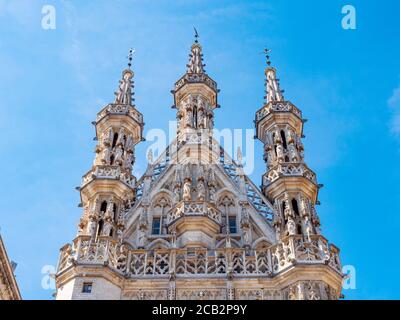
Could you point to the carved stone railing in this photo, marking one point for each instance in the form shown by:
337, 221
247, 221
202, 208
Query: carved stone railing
195, 78
87, 252
292, 169
239, 262
194, 209
120, 109
284, 106
109, 172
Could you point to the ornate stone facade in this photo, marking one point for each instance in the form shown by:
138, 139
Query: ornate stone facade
8, 285
194, 226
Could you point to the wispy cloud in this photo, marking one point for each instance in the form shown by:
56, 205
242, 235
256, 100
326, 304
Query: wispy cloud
394, 104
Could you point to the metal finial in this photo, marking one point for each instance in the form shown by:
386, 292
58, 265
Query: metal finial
196, 35
267, 56
130, 57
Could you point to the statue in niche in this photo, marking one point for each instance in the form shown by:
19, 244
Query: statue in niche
92, 226
106, 155
177, 193
188, 118
141, 238
118, 155
187, 191
212, 192
245, 220
143, 219
107, 136
107, 227
293, 152
201, 190
110, 210
121, 137
291, 226
246, 236
304, 205
279, 152
173, 239
129, 143
308, 228
201, 119
287, 212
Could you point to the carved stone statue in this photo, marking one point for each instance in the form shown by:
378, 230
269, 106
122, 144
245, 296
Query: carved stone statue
124, 93
129, 143
212, 192
293, 152
201, 123
291, 226
106, 228
246, 236
188, 118
141, 238
308, 228
279, 152
201, 190
187, 194
107, 137
121, 137
118, 155
92, 226
106, 155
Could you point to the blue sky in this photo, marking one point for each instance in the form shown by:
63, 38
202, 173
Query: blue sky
347, 83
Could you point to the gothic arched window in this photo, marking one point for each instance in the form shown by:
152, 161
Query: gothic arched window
283, 139
283, 208
115, 210
103, 207
160, 209
115, 139
228, 210
295, 207
100, 227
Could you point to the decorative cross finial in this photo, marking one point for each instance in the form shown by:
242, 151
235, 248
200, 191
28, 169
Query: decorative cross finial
130, 57
196, 35
267, 56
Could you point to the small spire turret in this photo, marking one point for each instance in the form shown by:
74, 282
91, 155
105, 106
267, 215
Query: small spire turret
195, 64
272, 88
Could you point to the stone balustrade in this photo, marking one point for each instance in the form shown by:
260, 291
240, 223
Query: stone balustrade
274, 106
109, 172
195, 78
194, 209
235, 262
294, 169
120, 109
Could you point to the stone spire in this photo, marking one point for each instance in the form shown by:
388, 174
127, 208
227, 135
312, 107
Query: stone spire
288, 182
110, 185
195, 64
272, 89
195, 96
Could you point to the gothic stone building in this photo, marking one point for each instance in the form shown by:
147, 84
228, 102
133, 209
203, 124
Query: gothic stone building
8, 285
194, 226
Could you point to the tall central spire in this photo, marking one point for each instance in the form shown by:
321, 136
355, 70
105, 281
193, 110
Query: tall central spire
195, 95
